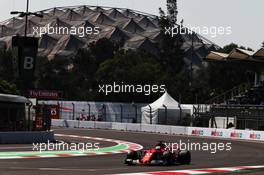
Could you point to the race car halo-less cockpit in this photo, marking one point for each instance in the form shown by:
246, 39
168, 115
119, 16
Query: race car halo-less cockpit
160, 155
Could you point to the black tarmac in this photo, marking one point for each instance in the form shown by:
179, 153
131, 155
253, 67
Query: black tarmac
242, 154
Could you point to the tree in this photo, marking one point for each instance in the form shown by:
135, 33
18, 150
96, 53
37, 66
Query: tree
250, 49
228, 48
132, 68
171, 55
7, 66
8, 88
52, 74
103, 49
262, 44
84, 69
172, 10
84, 64
218, 73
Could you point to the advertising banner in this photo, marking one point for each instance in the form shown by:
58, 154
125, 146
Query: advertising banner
27, 49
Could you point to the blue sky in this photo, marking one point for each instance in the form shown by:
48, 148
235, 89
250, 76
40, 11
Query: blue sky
244, 16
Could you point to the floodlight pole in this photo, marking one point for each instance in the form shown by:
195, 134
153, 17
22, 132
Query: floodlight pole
191, 66
26, 14
26, 18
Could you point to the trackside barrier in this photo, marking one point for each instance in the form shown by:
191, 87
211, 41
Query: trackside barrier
58, 123
148, 128
103, 125
179, 130
119, 126
86, 124
133, 127
227, 133
164, 129
27, 137
72, 123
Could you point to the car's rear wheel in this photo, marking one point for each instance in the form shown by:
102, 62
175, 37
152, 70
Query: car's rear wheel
167, 158
184, 157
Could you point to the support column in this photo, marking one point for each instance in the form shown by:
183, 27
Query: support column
256, 79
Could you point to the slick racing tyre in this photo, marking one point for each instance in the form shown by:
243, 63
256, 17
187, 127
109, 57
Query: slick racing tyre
184, 157
167, 157
134, 155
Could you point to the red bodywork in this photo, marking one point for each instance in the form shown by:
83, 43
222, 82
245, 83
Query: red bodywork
149, 153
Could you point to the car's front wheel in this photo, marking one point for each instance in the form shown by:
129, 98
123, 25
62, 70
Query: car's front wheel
131, 157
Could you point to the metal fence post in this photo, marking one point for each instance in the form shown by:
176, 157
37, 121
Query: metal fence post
166, 114
150, 119
135, 106
89, 110
73, 111
121, 113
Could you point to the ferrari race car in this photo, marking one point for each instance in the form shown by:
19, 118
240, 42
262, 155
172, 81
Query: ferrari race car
159, 155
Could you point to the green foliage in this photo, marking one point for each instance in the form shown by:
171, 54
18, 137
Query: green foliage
102, 50
172, 10
104, 63
8, 88
221, 77
6, 66
131, 67
85, 64
171, 55
228, 48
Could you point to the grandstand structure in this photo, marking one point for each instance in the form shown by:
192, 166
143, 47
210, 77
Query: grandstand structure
237, 54
136, 30
244, 102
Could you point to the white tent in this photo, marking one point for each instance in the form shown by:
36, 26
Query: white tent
165, 110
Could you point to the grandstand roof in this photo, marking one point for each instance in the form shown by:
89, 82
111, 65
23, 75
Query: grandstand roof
237, 54
259, 53
136, 29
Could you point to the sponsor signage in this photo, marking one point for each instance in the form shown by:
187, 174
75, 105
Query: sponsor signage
54, 111
217, 133
236, 135
227, 133
44, 94
255, 136
197, 132
27, 50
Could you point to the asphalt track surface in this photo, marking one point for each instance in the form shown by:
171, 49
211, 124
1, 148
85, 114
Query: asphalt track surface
242, 154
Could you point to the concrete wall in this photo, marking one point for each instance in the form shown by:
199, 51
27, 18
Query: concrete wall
26, 137
165, 129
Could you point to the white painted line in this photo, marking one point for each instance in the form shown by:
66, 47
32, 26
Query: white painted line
198, 171
11, 157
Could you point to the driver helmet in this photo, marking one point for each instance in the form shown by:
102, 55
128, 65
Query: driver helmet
157, 147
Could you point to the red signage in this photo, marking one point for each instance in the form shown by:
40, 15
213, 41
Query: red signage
44, 94
54, 111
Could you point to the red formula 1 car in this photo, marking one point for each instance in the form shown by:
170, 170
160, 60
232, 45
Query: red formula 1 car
159, 155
